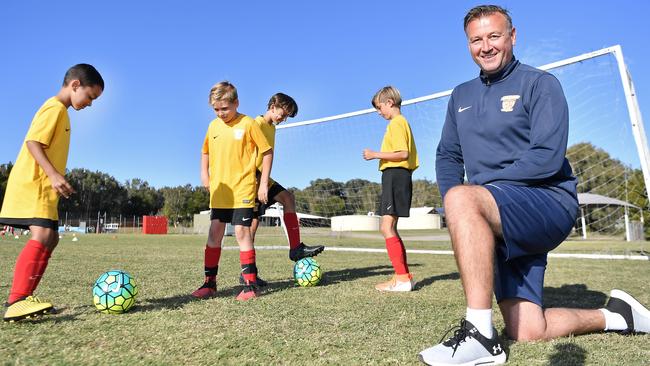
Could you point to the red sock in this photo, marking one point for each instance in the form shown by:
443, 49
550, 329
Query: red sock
42, 265
397, 255
30, 266
212, 256
293, 229
248, 267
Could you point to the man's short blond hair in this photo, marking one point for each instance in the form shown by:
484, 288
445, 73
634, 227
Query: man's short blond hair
385, 94
223, 91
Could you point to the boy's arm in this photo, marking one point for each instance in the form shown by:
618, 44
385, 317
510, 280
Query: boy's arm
267, 163
205, 172
60, 185
388, 156
397, 132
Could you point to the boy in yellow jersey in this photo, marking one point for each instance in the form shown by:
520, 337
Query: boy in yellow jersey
228, 166
279, 108
36, 182
398, 159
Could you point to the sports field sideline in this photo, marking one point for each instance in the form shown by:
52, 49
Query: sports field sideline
342, 321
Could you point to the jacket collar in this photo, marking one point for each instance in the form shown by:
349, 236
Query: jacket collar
507, 70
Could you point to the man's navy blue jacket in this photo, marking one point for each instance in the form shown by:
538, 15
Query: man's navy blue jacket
511, 128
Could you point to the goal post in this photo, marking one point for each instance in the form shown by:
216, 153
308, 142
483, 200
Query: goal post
321, 159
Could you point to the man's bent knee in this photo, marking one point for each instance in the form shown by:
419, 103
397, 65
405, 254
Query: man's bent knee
462, 201
465, 195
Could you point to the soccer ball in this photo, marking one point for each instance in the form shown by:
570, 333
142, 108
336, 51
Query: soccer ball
307, 272
114, 292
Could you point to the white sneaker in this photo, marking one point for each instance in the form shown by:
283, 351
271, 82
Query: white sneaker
466, 347
399, 283
635, 314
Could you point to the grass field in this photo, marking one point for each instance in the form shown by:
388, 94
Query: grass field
344, 321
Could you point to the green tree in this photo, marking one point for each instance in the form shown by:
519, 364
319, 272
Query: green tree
361, 196
176, 206
199, 200
5, 169
599, 173
325, 197
637, 194
95, 192
142, 199
302, 199
425, 193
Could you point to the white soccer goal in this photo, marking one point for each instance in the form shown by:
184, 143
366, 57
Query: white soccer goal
608, 149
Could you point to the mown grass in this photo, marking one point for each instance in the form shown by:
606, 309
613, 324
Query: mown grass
344, 321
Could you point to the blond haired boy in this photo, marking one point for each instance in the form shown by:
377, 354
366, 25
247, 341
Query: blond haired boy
398, 159
229, 152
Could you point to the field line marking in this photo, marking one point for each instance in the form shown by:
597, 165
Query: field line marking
449, 252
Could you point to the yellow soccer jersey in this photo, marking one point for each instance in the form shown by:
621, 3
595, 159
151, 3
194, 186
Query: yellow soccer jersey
398, 137
29, 191
232, 150
268, 129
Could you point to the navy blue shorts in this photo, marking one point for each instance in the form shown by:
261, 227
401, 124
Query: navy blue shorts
235, 216
396, 192
274, 190
533, 223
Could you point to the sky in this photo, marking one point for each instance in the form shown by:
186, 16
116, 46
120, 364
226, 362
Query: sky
159, 60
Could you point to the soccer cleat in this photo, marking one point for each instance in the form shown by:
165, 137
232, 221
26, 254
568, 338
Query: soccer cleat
466, 347
206, 291
260, 282
635, 314
29, 307
248, 292
399, 283
304, 251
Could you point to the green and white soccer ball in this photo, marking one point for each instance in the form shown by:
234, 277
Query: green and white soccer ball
114, 292
307, 272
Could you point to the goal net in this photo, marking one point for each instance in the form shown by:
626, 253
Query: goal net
321, 160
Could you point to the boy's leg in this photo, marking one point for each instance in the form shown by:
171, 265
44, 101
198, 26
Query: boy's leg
297, 249
402, 281
212, 255
396, 194
394, 244
257, 212
246, 253
242, 222
30, 267
32, 262
254, 225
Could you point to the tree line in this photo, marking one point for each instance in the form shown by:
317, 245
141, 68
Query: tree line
596, 170
98, 192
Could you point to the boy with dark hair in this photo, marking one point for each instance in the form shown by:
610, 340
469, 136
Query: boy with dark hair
279, 108
398, 159
230, 148
36, 182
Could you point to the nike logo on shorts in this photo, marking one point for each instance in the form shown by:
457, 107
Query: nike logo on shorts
460, 109
245, 218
